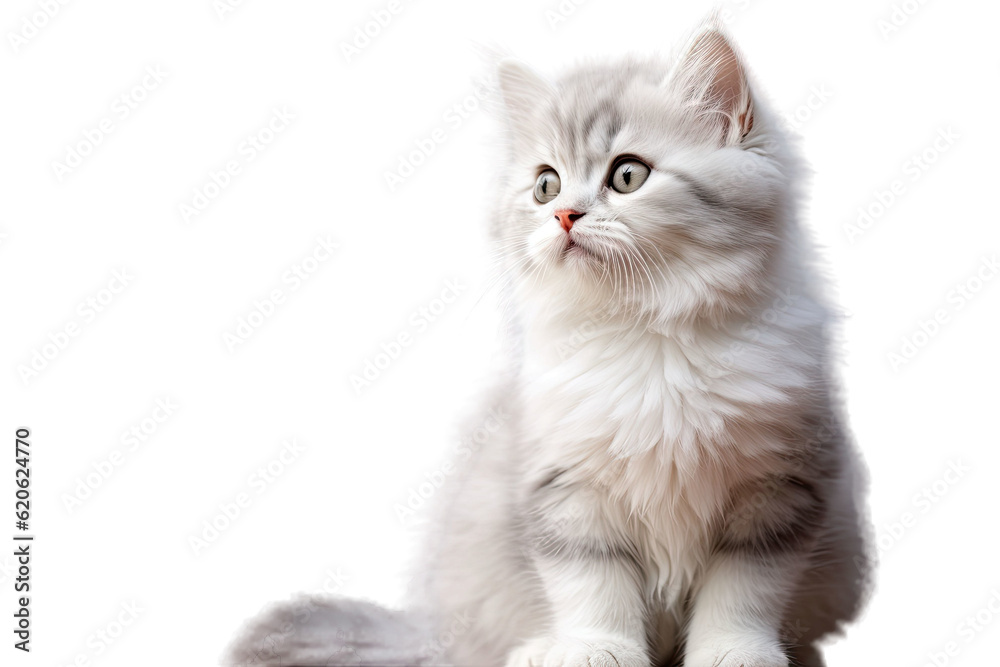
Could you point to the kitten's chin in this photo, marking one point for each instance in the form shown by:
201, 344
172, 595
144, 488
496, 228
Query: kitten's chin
563, 253
575, 250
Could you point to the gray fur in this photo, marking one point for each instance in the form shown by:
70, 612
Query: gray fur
680, 487
315, 631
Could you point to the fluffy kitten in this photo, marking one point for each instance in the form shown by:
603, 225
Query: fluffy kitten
672, 482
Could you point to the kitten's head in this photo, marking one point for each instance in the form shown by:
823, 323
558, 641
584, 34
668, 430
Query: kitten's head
642, 186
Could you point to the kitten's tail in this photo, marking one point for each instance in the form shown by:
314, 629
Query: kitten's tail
314, 631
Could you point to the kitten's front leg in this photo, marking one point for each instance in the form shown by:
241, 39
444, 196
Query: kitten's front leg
592, 581
737, 613
739, 606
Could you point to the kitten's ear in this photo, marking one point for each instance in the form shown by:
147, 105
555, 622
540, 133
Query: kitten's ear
712, 77
522, 91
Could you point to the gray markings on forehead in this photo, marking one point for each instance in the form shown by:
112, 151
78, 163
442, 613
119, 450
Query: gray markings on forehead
587, 126
605, 118
612, 129
698, 189
588, 119
598, 138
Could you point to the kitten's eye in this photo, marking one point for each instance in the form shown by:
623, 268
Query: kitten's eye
628, 176
547, 186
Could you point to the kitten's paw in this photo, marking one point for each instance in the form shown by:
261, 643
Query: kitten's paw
758, 656
579, 653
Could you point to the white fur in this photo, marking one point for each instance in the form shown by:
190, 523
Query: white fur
668, 401
660, 373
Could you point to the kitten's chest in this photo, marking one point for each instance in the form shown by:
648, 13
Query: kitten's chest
635, 422
619, 397
650, 423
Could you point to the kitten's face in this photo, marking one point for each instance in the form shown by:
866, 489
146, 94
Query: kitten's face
631, 186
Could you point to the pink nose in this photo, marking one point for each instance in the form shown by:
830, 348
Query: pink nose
567, 217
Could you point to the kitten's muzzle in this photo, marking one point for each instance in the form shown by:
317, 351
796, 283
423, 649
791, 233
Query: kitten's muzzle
567, 217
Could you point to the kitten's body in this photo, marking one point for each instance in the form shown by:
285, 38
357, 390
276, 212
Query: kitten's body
665, 507
671, 478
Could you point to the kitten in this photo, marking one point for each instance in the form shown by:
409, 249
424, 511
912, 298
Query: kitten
672, 482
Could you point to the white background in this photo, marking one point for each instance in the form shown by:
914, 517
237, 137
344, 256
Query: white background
331, 513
